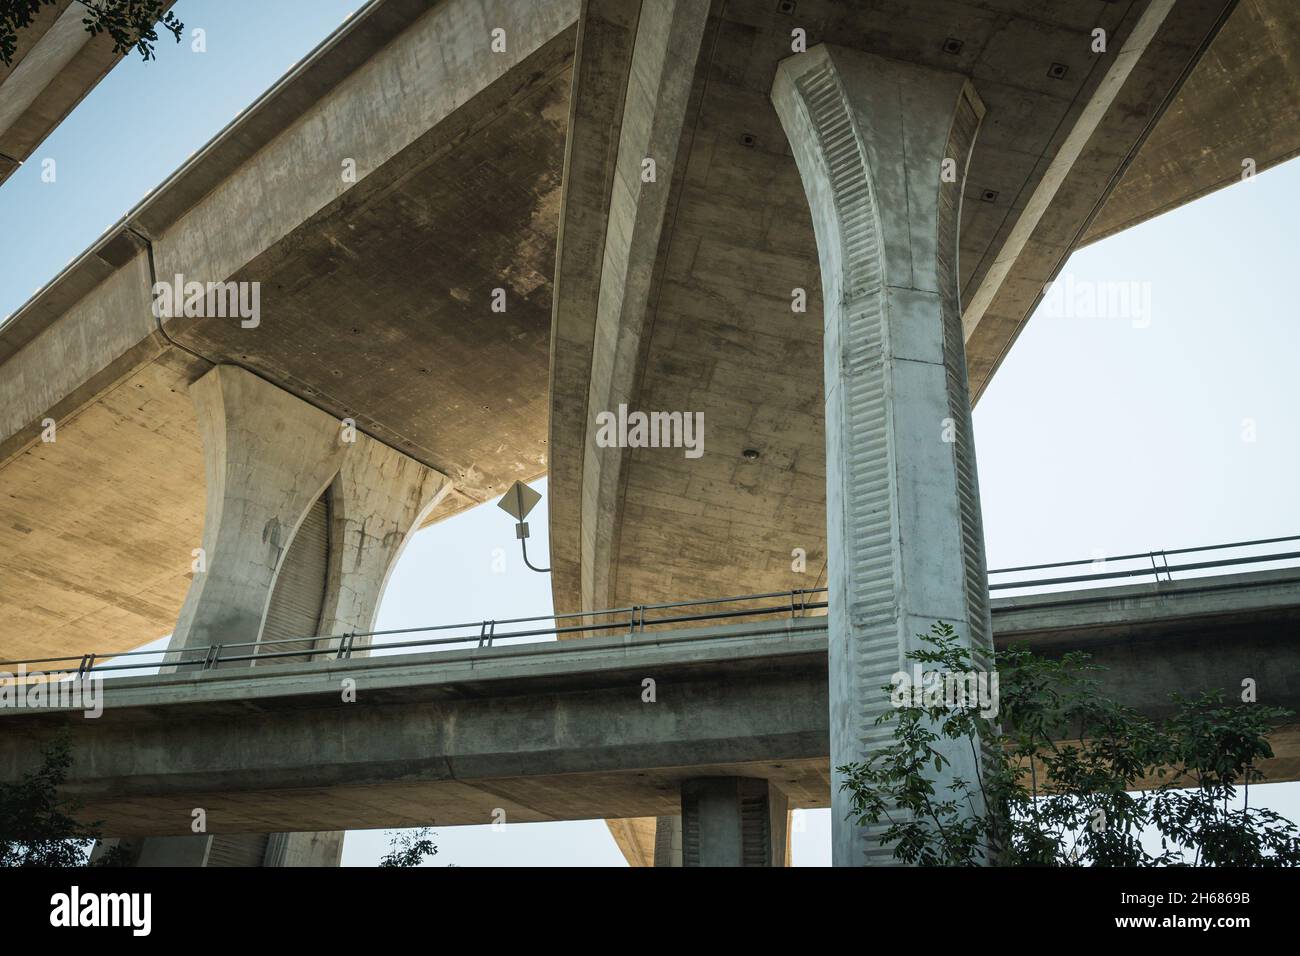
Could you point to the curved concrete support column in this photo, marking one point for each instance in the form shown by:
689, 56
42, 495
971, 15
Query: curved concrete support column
269, 458
882, 148
380, 497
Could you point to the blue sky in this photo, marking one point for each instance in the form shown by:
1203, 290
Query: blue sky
1098, 435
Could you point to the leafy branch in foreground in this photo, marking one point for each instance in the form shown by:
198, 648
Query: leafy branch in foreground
409, 847
1069, 777
37, 827
130, 23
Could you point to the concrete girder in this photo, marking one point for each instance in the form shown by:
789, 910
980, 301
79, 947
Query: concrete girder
635, 66
56, 63
96, 529
1240, 102
722, 339
558, 730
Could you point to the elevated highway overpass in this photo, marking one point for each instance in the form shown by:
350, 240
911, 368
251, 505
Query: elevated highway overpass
563, 730
407, 177
376, 293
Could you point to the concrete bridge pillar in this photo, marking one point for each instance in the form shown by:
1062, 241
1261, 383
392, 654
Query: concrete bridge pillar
305, 519
882, 148
728, 821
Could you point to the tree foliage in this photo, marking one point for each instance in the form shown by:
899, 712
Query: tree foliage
1070, 778
130, 23
37, 827
409, 847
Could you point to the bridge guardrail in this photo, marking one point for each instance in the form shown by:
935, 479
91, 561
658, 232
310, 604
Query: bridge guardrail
635, 619
1153, 564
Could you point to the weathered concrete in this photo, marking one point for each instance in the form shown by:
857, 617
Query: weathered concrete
718, 335
882, 147
732, 821
546, 731
374, 306
85, 555
559, 730
662, 65
269, 458
1210, 632
721, 337
1240, 102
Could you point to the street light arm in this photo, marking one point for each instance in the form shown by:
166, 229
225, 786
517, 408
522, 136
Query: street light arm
523, 543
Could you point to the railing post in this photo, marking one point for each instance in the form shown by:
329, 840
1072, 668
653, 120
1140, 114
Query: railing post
86, 665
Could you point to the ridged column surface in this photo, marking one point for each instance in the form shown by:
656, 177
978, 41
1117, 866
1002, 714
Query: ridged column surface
871, 136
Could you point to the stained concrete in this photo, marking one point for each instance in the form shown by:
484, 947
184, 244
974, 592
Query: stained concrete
905, 540
559, 730
374, 307
1239, 102
546, 731
719, 308
720, 337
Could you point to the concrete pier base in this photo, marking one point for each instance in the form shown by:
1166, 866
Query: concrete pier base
732, 821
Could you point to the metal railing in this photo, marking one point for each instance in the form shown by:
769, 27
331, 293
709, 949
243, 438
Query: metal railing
635, 619
1151, 563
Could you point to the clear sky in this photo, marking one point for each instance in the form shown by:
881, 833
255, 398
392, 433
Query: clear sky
1100, 435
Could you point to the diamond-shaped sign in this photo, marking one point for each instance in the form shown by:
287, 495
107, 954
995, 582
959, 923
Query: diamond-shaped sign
519, 500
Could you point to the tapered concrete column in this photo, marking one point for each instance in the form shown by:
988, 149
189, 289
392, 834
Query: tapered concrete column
273, 463
267, 457
882, 148
732, 821
379, 497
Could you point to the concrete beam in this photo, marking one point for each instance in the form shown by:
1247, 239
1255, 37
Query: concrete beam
1240, 103
559, 730
598, 324
345, 284
547, 731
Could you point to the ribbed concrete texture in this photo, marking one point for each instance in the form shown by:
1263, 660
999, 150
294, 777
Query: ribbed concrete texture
305, 520
733, 821
882, 148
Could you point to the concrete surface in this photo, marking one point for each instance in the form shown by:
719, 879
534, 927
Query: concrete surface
905, 542
559, 730
430, 372
355, 321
